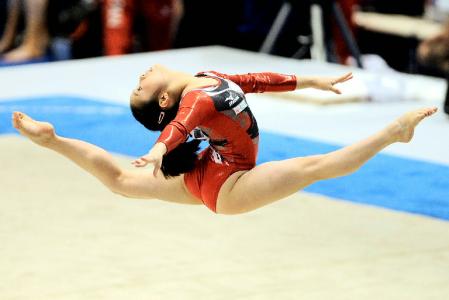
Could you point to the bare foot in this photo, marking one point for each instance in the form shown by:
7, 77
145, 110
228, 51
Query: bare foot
23, 53
4, 45
39, 132
405, 124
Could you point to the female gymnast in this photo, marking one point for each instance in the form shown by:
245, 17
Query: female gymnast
212, 106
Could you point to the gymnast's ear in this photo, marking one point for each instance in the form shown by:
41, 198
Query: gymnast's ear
164, 100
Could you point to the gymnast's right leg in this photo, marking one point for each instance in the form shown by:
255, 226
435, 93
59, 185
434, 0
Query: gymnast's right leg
130, 183
266, 183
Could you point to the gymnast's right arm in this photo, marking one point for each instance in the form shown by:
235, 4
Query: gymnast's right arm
194, 108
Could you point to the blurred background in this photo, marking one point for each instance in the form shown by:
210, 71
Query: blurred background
409, 36
380, 35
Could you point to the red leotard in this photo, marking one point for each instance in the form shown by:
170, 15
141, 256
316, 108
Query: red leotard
220, 114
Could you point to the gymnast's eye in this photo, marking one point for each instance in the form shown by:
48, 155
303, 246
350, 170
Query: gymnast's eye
139, 88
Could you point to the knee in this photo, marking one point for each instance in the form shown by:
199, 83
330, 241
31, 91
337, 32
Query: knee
117, 185
119, 192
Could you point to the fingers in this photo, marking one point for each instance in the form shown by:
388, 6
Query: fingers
143, 161
140, 162
344, 78
156, 169
335, 90
341, 79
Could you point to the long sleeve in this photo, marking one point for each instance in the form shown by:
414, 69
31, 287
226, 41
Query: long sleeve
193, 110
261, 82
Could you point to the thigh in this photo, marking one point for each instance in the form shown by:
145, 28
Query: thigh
211, 180
142, 184
224, 203
266, 183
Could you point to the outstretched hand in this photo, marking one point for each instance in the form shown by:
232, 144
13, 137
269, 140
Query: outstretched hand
328, 83
155, 160
153, 157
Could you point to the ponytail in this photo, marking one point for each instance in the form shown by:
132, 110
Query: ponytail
180, 160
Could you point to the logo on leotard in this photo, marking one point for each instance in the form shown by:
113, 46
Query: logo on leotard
232, 99
217, 158
198, 134
161, 117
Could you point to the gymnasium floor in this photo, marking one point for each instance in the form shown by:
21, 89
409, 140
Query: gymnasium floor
380, 233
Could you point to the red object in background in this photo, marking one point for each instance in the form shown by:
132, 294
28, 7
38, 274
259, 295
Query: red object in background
118, 20
341, 48
117, 26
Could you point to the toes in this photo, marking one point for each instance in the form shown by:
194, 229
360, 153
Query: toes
18, 115
16, 119
430, 111
15, 123
25, 117
426, 112
433, 110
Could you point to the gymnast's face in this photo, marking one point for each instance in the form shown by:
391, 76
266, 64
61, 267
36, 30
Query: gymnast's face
151, 85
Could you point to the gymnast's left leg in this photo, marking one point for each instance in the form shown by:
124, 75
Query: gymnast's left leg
102, 165
247, 190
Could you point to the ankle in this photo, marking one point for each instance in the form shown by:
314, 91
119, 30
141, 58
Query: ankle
50, 140
394, 131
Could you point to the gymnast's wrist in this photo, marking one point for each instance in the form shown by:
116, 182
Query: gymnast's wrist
160, 148
303, 82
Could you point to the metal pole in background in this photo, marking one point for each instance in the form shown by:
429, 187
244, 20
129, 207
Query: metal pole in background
446, 102
318, 50
270, 40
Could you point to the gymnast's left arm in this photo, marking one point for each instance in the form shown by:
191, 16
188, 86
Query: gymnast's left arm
276, 82
322, 83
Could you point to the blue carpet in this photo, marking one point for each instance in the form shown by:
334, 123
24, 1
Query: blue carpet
388, 181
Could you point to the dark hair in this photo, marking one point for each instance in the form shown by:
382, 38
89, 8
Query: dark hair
180, 160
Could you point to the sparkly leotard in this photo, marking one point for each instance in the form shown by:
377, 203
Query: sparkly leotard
221, 115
